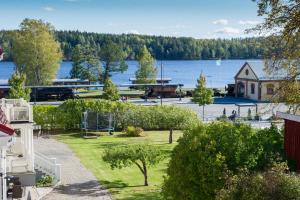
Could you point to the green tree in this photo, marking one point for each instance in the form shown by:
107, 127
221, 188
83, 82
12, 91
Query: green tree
207, 154
113, 57
146, 72
17, 87
85, 64
143, 156
110, 91
36, 53
201, 94
283, 54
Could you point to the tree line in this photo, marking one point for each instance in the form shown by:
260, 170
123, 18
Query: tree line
161, 47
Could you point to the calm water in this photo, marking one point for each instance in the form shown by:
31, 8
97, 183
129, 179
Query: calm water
218, 74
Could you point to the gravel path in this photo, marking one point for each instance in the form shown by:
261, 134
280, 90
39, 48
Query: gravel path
77, 182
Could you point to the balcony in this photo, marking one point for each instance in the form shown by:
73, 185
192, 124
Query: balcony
16, 110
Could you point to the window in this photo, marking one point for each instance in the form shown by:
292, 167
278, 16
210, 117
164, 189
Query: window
252, 88
270, 89
247, 72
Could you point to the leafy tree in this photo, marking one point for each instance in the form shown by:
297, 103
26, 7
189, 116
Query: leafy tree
206, 155
113, 57
283, 53
143, 156
85, 65
201, 94
17, 87
146, 72
36, 53
110, 91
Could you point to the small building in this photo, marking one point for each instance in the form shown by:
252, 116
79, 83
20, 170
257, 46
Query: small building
291, 136
253, 82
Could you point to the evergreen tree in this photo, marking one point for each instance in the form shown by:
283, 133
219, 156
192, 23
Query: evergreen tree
36, 53
146, 72
110, 91
202, 95
17, 87
113, 57
85, 65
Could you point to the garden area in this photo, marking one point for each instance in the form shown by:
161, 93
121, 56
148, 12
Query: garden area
126, 183
166, 152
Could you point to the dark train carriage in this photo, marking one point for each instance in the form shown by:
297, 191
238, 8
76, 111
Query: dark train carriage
52, 93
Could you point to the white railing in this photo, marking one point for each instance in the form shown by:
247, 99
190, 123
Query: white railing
47, 165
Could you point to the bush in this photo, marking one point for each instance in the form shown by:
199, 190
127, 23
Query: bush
275, 183
206, 155
45, 181
147, 117
47, 116
132, 131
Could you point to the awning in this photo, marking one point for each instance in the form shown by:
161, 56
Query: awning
6, 129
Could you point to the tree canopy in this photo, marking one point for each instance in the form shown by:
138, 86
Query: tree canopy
206, 155
143, 156
146, 72
17, 87
86, 64
202, 95
161, 48
282, 53
110, 91
36, 53
112, 57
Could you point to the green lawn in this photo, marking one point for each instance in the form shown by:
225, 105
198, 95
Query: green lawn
124, 183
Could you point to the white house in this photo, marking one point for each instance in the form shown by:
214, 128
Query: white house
18, 159
253, 82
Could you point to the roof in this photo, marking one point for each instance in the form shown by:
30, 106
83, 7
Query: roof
295, 118
258, 67
157, 79
4, 82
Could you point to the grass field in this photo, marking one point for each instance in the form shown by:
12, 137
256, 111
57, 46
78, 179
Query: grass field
127, 183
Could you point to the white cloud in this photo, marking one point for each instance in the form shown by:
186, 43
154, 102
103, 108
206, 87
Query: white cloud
220, 22
248, 22
49, 8
228, 31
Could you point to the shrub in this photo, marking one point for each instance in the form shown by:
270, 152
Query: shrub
147, 117
275, 183
132, 131
206, 155
47, 116
45, 181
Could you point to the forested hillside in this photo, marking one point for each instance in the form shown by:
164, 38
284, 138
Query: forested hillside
168, 48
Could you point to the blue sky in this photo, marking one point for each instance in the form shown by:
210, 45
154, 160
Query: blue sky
194, 18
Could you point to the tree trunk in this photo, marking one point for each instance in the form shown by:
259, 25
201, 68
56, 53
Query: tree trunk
171, 136
145, 175
203, 112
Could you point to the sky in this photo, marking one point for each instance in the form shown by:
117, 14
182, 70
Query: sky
189, 18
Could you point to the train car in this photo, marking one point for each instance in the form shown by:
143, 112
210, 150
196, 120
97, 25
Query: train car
52, 93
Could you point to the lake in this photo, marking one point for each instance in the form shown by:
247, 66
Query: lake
218, 73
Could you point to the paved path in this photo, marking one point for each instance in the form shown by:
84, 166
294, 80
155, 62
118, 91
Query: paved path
77, 182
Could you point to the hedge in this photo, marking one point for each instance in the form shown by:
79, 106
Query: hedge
69, 115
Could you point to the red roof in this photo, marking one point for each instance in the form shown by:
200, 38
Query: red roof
6, 129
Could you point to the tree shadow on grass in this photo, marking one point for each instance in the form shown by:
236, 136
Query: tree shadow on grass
155, 195
86, 189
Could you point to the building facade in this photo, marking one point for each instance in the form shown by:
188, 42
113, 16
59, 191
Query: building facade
254, 83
